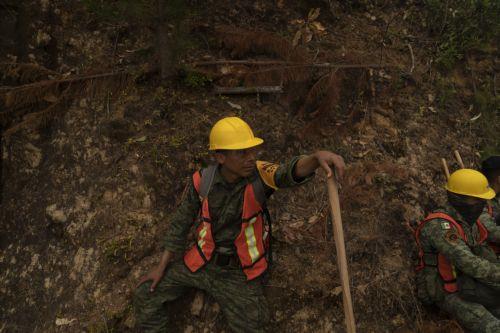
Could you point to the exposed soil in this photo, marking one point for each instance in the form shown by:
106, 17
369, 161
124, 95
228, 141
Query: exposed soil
86, 198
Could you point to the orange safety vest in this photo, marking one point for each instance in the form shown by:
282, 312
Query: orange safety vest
445, 268
251, 243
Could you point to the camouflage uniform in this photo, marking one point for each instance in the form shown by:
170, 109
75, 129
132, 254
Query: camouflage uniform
477, 303
486, 217
241, 301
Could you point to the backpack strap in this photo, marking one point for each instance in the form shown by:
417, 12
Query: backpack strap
258, 190
207, 178
418, 229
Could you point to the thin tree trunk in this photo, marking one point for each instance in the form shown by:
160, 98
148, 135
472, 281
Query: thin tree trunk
163, 46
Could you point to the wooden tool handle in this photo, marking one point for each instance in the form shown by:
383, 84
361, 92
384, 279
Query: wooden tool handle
445, 167
338, 234
459, 159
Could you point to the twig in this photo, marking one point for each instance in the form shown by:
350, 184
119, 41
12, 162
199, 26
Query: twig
248, 90
68, 80
412, 58
445, 18
287, 63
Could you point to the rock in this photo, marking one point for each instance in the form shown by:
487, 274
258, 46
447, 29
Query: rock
197, 304
189, 329
33, 155
64, 321
42, 38
109, 196
134, 169
146, 202
55, 214
44, 4
47, 283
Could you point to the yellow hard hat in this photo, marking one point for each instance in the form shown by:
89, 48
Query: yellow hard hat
232, 133
470, 182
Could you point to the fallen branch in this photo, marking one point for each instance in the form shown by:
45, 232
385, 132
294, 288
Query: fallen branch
30, 94
412, 58
248, 90
287, 63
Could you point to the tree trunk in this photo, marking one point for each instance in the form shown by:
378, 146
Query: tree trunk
164, 50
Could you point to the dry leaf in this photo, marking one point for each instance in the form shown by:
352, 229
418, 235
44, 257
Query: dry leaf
313, 14
51, 98
234, 105
297, 22
307, 35
318, 27
296, 38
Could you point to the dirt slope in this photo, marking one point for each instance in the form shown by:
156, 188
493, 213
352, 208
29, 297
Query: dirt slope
86, 200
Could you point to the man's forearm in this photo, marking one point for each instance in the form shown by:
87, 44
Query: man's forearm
305, 166
166, 257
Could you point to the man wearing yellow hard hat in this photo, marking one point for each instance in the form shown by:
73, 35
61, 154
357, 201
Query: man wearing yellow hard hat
491, 213
230, 252
458, 271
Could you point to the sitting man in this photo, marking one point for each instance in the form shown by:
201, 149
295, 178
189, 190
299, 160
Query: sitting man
458, 271
226, 202
491, 169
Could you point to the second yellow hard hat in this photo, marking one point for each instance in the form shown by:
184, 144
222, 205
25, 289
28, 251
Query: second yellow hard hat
470, 182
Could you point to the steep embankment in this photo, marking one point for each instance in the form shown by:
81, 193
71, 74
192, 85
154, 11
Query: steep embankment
86, 199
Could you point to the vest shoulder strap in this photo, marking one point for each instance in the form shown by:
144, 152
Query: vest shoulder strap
258, 190
443, 216
207, 178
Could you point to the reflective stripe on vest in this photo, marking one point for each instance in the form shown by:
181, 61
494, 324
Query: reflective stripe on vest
445, 268
249, 243
201, 252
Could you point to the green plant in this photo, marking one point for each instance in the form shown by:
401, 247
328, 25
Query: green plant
461, 26
117, 250
120, 10
196, 80
487, 126
445, 92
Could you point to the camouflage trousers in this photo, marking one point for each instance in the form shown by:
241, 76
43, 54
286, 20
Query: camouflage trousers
242, 302
472, 316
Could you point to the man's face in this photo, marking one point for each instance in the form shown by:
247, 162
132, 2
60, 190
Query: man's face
240, 162
472, 201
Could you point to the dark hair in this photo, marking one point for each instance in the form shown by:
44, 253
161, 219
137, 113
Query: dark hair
491, 167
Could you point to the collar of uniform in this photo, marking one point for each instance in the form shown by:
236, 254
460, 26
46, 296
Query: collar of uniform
219, 179
448, 209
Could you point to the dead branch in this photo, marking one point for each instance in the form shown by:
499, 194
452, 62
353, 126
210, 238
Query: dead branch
24, 73
48, 90
248, 90
412, 58
288, 63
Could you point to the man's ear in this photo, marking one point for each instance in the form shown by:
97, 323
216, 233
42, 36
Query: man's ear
220, 158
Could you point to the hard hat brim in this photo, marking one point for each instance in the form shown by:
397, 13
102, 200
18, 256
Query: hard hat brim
240, 145
488, 195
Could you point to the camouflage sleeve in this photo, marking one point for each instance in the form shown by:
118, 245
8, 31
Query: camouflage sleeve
445, 239
284, 174
493, 228
182, 220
